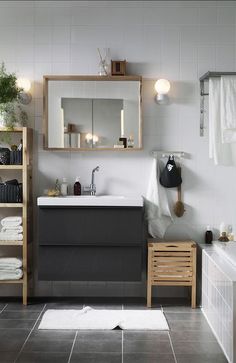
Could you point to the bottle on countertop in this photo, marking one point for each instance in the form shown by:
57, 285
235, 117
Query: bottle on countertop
64, 187
77, 187
208, 235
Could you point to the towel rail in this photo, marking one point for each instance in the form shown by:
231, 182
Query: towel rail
205, 77
166, 154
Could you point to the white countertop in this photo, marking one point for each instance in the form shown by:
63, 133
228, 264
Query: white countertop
92, 201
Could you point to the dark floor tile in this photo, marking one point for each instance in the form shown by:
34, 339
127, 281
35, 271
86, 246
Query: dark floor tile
148, 358
16, 324
11, 340
96, 358
192, 335
98, 346
48, 345
146, 335
184, 316
53, 334
180, 309
18, 306
199, 325
40, 357
147, 346
196, 347
99, 335
25, 315
8, 357
64, 306
200, 358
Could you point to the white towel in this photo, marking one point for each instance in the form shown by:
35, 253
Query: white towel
12, 229
156, 204
4, 236
228, 109
11, 275
219, 152
10, 263
11, 221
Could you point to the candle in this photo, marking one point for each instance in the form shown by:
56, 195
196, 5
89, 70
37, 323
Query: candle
122, 122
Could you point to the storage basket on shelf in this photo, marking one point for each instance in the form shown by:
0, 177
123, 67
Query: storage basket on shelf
171, 264
16, 157
11, 192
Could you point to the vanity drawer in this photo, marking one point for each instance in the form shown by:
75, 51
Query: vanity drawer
92, 226
84, 263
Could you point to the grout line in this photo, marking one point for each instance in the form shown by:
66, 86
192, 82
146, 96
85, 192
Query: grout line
4, 307
172, 347
122, 346
73, 344
18, 355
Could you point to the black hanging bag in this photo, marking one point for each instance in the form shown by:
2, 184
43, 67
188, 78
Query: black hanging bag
170, 176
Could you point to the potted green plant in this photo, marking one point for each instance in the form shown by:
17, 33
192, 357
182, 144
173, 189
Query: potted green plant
11, 112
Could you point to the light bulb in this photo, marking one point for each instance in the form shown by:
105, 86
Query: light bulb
162, 86
24, 83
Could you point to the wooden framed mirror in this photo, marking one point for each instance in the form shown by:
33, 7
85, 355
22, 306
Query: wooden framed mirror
92, 113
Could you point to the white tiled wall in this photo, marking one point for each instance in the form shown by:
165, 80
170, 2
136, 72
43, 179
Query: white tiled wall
178, 40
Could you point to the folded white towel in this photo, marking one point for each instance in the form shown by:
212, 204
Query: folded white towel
219, 152
11, 236
11, 275
11, 221
12, 229
228, 109
156, 204
10, 263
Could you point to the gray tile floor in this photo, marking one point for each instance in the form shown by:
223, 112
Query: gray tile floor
189, 340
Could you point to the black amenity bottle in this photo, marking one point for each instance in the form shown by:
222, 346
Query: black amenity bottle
77, 187
208, 235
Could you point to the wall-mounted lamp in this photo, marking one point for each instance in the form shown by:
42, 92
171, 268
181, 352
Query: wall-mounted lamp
162, 87
91, 139
25, 96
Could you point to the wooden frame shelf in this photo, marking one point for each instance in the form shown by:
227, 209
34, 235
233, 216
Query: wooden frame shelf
11, 243
11, 205
26, 170
20, 281
11, 167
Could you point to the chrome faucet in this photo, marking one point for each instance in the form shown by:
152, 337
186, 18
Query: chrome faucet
92, 188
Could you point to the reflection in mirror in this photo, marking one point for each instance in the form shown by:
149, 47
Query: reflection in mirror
93, 114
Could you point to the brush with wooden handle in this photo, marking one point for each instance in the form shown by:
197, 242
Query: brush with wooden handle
179, 205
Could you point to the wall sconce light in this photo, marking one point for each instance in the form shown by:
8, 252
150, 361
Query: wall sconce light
89, 138
162, 87
25, 96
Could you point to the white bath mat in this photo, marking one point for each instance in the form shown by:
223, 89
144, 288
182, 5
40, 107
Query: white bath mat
91, 319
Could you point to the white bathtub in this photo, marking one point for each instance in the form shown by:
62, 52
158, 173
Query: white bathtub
227, 249
219, 294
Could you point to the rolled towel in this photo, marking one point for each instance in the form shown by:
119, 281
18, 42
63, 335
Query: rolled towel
17, 274
11, 221
10, 262
12, 229
11, 236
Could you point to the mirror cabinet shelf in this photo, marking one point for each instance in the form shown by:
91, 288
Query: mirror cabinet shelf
89, 113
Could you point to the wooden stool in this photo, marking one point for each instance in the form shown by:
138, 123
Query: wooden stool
171, 264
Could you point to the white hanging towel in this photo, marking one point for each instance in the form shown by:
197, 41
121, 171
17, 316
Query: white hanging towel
157, 209
219, 152
228, 109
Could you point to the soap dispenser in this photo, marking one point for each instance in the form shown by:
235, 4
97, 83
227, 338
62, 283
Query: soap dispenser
208, 235
77, 187
64, 187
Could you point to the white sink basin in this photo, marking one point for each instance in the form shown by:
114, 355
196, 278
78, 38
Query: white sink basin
91, 200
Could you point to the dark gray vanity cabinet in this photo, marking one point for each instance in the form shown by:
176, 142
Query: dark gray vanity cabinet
91, 243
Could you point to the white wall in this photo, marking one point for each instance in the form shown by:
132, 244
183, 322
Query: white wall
178, 40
